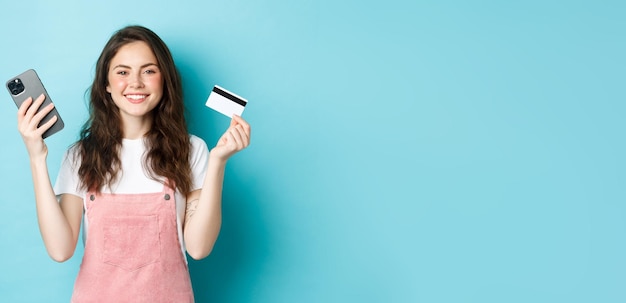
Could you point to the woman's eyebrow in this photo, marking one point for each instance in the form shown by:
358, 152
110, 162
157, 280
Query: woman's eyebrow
143, 66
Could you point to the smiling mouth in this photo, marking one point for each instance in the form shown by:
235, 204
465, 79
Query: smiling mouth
136, 98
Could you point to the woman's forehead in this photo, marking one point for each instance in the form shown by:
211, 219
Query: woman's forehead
136, 54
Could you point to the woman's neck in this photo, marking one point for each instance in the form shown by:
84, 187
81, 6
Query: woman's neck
135, 128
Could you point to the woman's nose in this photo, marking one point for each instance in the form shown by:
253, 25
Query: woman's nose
136, 81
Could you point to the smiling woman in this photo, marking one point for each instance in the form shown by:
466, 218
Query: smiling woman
136, 178
136, 86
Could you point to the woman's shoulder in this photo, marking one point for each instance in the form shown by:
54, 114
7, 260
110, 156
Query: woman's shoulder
197, 143
199, 152
195, 140
72, 154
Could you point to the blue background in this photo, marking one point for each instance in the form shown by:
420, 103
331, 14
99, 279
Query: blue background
403, 151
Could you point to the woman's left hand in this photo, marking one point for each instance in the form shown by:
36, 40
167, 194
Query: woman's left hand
236, 138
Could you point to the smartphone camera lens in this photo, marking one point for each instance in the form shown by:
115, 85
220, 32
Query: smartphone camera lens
16, 86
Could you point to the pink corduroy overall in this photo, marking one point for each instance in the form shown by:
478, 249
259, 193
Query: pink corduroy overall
132, 251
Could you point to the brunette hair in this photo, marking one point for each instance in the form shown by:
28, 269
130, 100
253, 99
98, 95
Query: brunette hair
167, 142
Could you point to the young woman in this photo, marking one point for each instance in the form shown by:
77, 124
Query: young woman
146, 190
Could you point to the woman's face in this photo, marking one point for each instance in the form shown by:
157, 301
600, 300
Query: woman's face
135, 81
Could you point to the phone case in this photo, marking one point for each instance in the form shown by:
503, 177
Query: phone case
28, 84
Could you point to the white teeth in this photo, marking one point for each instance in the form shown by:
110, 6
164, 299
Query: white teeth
135, 97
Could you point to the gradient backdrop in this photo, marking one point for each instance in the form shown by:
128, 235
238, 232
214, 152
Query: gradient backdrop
403, 151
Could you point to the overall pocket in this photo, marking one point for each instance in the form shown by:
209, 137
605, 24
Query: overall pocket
131, 242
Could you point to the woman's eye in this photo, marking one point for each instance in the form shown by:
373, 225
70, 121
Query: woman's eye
122, 72
150, 71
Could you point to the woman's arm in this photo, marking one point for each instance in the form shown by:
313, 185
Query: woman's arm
59, 224
203, 216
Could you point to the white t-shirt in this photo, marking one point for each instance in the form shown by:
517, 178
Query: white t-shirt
133, 179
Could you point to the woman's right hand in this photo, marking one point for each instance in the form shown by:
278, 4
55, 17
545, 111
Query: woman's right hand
27, 121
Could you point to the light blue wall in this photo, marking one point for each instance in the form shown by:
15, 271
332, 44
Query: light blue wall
403, 151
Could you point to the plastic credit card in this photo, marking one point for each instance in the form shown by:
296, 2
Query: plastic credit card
226, 102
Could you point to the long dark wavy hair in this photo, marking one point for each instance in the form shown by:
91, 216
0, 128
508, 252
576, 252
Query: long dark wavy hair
167, 142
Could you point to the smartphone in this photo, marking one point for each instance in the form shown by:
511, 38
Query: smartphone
28, 84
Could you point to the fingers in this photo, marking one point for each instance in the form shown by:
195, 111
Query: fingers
29, 107
234, 139
239, 121
241, 132
239, 137
24, 107
29, 117
35, 106
44, 127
